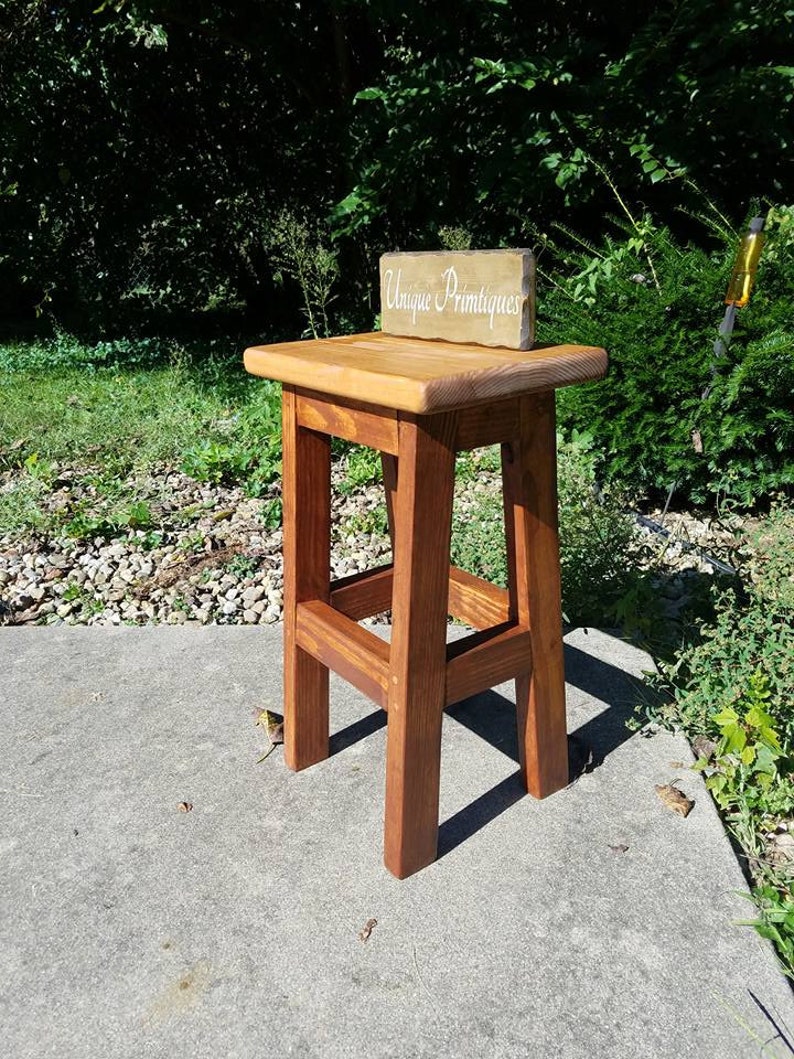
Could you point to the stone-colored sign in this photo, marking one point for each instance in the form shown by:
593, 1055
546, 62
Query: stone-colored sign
485, 297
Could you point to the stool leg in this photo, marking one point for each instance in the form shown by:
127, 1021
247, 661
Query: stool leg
417, 677
306, 498
529, 471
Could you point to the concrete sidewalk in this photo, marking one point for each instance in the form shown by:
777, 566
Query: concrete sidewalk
130, 928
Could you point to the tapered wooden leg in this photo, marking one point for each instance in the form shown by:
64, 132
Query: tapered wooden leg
529, 469
307, 502
417, 676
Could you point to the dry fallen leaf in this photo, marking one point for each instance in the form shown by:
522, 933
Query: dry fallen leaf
273, 724
185, 807
781, 848
178, 569
621, 848
367, 929
674, 799
703, 746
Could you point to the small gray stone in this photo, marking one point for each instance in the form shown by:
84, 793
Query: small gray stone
253, 594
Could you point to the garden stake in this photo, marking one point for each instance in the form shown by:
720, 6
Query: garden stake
736, 297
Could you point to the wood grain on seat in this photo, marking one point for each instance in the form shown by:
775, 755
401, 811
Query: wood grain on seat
420, 376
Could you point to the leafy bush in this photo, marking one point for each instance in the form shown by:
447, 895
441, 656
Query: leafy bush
732, 692
752, 632
672, 414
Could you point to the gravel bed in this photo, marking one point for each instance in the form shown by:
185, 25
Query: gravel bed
209, 556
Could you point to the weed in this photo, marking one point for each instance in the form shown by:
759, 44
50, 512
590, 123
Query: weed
87, 605
21, 505
242, 566
150, 540
249, 453
298, 249
748, 759
105, 519
452, 238
272, 513
372, 523
84, 525
362, 467
138, 515
192, 542
775, 921
733, 687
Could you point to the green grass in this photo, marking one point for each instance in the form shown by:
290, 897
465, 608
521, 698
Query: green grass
206, 417
127, 420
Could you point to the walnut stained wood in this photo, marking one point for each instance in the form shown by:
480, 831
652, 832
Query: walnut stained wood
418, 376
471, 599
306, 497
519, 629
418, 660
529, 475
356, 654
482, 296
353, 421
487, 658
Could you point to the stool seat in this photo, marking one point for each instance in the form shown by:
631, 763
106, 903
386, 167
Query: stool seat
422, 376
419, 402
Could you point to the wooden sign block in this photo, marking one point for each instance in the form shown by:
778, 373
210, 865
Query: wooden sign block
486, 297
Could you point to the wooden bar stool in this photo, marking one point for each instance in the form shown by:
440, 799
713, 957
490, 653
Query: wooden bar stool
419, 402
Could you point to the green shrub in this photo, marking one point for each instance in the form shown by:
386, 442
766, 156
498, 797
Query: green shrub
670, 413
732, 692
752, 632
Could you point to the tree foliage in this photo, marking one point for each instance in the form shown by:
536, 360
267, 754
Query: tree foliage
506, 118
147, 146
